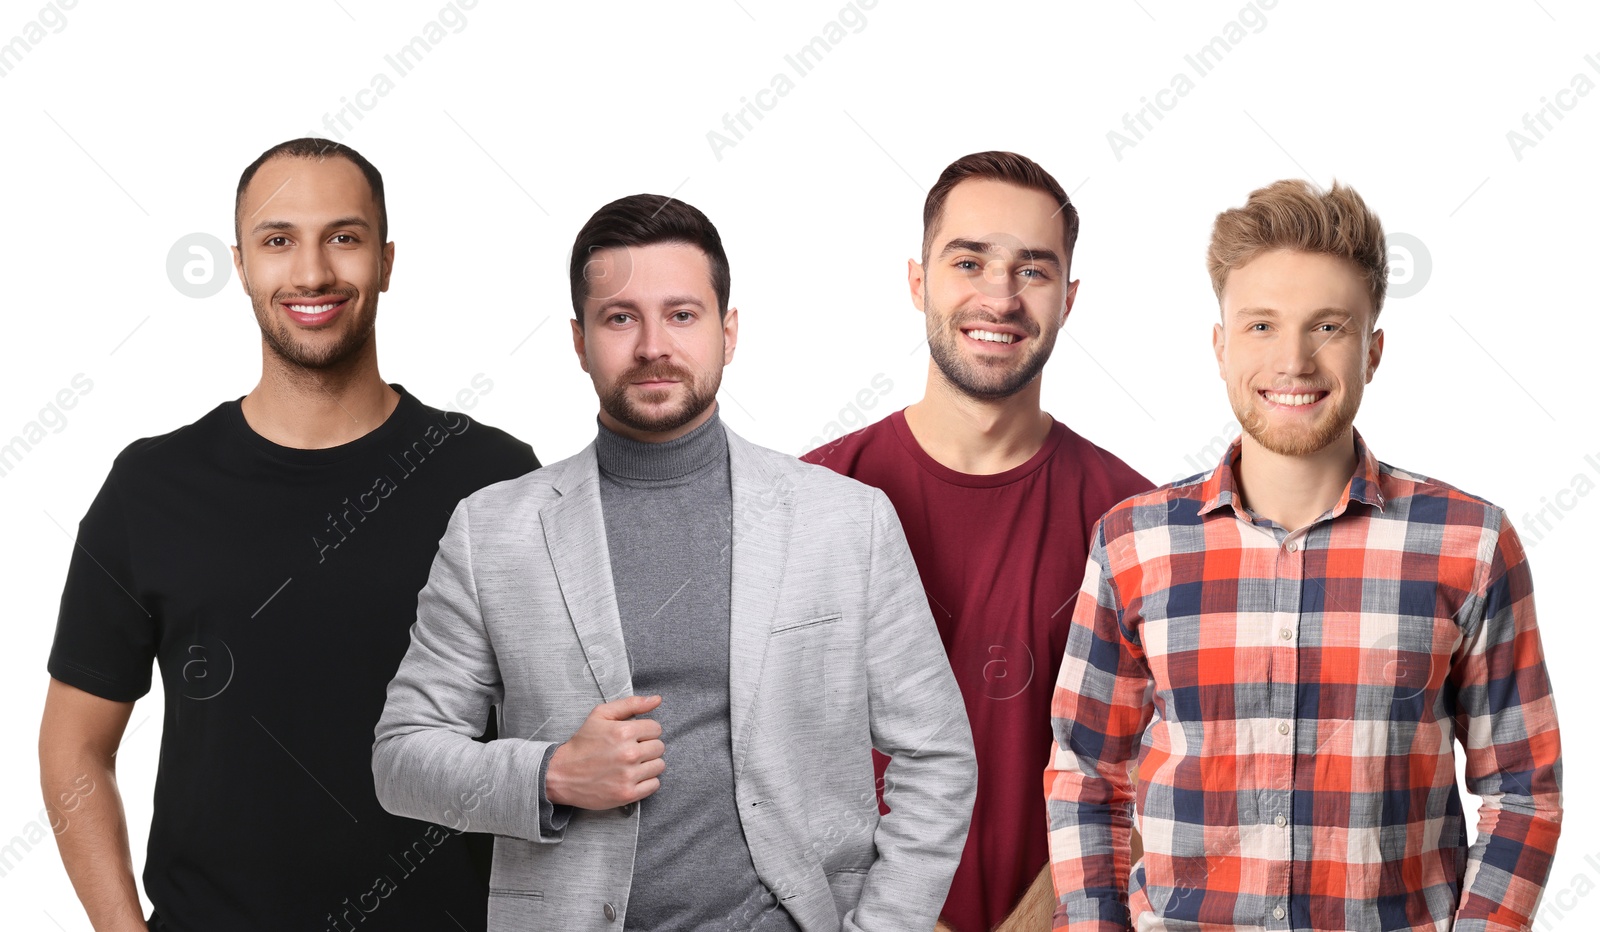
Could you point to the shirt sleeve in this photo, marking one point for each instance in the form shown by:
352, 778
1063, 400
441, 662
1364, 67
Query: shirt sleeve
1102, 703
1506, 721
106, 638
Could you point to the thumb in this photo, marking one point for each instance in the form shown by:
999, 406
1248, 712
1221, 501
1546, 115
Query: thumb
620, 710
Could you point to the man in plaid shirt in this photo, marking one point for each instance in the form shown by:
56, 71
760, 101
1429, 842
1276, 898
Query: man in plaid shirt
1291, 645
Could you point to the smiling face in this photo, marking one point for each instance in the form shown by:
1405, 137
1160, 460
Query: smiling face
310, 258
994, 287
1296, 348
652, 339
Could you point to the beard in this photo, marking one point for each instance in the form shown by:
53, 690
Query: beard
981, 378
285, 344
1302, 440
698, 396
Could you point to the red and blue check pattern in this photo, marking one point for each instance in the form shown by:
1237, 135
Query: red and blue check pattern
1293, 701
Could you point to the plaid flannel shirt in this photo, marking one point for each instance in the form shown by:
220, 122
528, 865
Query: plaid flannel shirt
1293, 700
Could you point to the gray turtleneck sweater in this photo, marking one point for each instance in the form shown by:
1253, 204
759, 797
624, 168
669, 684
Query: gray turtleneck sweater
669, 514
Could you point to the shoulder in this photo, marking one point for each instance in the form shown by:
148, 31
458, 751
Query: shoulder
809, 482
844, 454
1174, 504
479, 438
163, 452
1103, 471
1444, 518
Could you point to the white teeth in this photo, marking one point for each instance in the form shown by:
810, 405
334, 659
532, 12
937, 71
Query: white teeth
311, 308
989, 336
1290, 400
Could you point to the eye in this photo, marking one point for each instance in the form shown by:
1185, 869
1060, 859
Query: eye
1330, 328
683, 317
1257, 327
276, 241
618, 319
343, 239
967, 265
1038, 274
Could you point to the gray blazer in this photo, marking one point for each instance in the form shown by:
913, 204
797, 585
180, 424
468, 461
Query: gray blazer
833, 651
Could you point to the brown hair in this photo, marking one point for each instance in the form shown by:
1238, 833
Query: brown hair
1295, 214
644, 220
997, 166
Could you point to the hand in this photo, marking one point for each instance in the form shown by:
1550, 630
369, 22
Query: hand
612, 760
942, 926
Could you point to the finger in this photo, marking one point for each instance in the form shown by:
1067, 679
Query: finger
645, 789
651, 750
648, 770
620, 710
642, 729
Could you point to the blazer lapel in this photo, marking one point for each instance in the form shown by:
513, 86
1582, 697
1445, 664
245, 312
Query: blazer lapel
575, 535
763, 513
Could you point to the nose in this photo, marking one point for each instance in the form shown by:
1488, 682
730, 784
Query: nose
1000, 287
312, 271
653, 341
1295, 354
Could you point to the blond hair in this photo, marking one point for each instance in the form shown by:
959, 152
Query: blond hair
1295, 214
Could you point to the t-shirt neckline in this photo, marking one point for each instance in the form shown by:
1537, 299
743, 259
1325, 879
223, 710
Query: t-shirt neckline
902, 430
404, 412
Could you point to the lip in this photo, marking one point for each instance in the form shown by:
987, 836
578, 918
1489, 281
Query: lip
656, 383
1294, 409
329, 308
1017, 337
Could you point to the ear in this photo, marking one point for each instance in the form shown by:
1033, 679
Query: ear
1374, 353
578, 344
1219, 345
388, 266
1071, 296
730, 334
914, 280
238, 268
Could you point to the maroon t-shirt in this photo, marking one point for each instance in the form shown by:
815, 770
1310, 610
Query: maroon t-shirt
1001, 558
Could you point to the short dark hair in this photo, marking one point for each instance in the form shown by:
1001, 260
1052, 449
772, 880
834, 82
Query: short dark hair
312, 148
644, 220
997, 166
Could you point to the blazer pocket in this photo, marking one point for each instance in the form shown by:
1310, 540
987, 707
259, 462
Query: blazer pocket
515, 909
795, 625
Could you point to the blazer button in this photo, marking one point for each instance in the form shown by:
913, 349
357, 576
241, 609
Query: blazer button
611, 913
627, 809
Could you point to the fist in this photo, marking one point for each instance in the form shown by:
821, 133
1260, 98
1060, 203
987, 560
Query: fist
613, 759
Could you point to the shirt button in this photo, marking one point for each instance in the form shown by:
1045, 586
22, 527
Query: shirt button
1286, 634
1277, 913
611, 912
1293, 546
1280, 822
627, 809
1283, 729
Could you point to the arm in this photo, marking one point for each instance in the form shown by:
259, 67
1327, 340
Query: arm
425, 761
919, 719
1103, 701
1506, 721
78, 773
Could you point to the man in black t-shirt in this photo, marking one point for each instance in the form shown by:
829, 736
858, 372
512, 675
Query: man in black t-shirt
267, 558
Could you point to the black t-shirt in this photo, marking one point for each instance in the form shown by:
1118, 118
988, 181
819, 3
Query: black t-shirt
276, 588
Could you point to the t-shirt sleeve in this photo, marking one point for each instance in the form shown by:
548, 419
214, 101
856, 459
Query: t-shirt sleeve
105, 638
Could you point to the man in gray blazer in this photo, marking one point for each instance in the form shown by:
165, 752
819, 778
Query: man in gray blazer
766, 614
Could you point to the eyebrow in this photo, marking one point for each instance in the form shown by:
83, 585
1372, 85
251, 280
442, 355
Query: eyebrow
266, 225
1273, 312
669, 301
983, 246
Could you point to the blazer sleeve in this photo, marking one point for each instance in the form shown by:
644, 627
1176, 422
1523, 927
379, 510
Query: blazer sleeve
918, 718
425, 763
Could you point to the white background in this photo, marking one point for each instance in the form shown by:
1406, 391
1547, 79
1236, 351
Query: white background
126, 130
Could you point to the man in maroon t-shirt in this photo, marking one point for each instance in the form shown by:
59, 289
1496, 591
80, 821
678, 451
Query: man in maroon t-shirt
997, 499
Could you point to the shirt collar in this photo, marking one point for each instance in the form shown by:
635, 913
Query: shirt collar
1222, 486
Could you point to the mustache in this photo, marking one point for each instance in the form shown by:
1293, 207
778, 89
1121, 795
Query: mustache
283, 297
1021, 321
656, 370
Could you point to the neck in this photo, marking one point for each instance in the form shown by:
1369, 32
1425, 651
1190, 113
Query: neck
629, 458
308, 409
978, 436
655, 436
1292, 491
